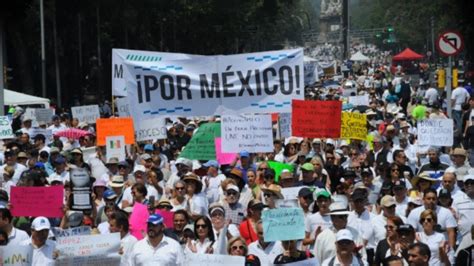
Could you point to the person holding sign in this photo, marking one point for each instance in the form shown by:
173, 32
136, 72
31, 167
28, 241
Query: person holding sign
43, 248
156, 248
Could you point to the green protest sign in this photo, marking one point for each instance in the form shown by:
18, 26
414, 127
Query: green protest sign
278, 167
201, 146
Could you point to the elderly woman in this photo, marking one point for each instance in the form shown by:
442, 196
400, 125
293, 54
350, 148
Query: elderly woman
237, 247
178, 201
441, 254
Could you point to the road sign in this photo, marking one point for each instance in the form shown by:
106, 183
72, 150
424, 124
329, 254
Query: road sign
450, 43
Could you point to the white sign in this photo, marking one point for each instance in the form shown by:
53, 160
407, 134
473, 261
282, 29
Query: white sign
307, 262
450, 43
119, 56
122, 107
6, 131
213, 260
115, 147
89, 250
86, 113
43, 115
359, 100
290, 193
435, 132
151, 129
47, 133
252, 133
17, 255
88, 152
264, 82
75, 231
31, 114
285, 125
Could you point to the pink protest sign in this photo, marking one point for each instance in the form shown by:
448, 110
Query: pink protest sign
223, 158
138, 220
37, 201
167, 217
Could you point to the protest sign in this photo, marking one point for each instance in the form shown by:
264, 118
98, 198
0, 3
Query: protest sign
252, 133
115, 127
316, 119
283, 224
43, 115
97, 167
223, 157
354, 125
435, 132
6, 131
115, 147
88, 152
30, 113
119, 56
359, 100
122, 107
89, 250
86, 113
278, 167
263, 82
138, 220
37, 201
284, 125
81, 193
151, 129
16, 255
167, 217
75, 231
47, 133
213, 260
202, 146
291, 192
307, 262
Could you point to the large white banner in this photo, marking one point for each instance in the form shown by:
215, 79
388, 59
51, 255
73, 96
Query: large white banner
252, 133
119, 56
435, 132
263, 82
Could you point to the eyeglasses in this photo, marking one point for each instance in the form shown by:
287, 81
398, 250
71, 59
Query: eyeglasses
391, 227
429, 220
204, 226
231, 193
238, 247
179, 188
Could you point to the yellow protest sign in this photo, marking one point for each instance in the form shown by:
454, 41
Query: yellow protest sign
353, 126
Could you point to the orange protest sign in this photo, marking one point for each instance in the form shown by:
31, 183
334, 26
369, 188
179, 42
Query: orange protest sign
115, 127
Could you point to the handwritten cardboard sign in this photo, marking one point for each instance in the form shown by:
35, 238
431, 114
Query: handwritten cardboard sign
284, 125
359, 100
213, 260
151, 129
202, 146
115, 127
6, 131
86, 113
252, 133
436, 132
75, 231
283, 224
223, 157
316, 119
43, 115
16, 254
354, 125
89, 250
37, 201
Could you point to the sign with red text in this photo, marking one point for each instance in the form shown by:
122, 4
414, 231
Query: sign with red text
316, 119
37, 201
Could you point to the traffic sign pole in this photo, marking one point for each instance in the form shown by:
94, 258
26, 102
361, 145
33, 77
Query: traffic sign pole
448, 87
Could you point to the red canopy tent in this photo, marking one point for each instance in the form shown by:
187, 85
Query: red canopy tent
407, 54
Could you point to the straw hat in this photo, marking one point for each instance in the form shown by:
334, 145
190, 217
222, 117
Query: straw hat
424, 176
275, 189
192, 177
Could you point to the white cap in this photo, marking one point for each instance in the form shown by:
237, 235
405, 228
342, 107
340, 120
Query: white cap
40, 223
331, 141
139, 167
233, 187
468, 177
344, 234
184, 161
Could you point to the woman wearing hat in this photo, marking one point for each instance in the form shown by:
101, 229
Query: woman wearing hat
197, 203
271, 194
422, 182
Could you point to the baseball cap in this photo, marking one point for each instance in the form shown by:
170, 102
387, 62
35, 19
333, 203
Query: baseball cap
405, 228
323, 193
40, 223
366, 170
468, 177
113, 160
256, 204
110, 194
388, 201
344, 234
139, 168
211, 163
185, 162
244, 154
305, 192
75, 218
123, 163
145, 156
155, 219
444, 193
76, 150
60, 160
22, 154
330, 142
148, 147
307, 167
400, 184
54, 150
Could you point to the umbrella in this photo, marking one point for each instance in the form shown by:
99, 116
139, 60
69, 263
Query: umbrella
72, 133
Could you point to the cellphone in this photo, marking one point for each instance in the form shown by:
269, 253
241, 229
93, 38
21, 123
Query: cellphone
151, 202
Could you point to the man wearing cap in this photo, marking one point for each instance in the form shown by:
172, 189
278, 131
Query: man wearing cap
60, 171
446, 221
464, 206
325, 245
43, 248
315, 223
244, 164
183, 166
15, 235
308, 177
26, 127
388, 205
112, 165
459, 163
139, 172
345, 246
156, 248
212, 181
11, 160
235, 211
265, 251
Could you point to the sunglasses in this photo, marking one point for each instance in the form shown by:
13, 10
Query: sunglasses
122, 167
231, 193
179, 188
395, 170
429, 220
340, 216
204, 226
344, 242
262, 169
238, 247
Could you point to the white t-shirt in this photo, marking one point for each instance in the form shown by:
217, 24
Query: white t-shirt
460, 96
314, 220
212, 192
433, 241
431, 95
